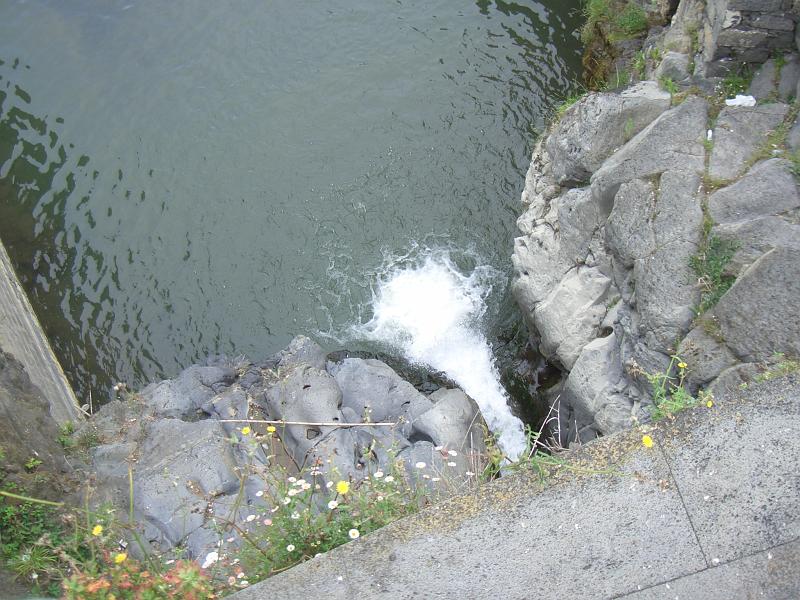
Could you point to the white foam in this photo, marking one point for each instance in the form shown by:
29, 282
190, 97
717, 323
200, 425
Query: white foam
432, 312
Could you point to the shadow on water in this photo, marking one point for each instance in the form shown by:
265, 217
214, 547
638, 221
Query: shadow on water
222, 180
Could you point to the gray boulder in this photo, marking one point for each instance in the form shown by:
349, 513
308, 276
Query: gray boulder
628, 232
753, 238
771, 83
705, 356
184, 396
301, 351
567, 236
454, 423
760, 314
597, 125
595, 391
674, 66
769, 188
739, 132
570, 316
672, 142
666, 293
373, 390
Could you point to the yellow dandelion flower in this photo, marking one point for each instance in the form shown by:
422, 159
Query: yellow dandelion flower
709, 403
647, 441
271, 429
245, 430
682, 365
342, 487
120, 557
97, 530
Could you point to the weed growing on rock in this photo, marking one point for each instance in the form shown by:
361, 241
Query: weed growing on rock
709, 266
780, 366
736, 83
307, 511
669, 394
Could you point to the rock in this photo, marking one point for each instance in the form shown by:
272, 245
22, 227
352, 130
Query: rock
454, 423
754, 237
594, 391
302, 350
732, 379
305, 394
764, 83
738, 134
789, 78
628, 231
371, 388
230, 404
793, 139
181, 470
760, 314
674, 66
422, 463
557, 242
671, 142
705, 356
184, 396
666, 293
597, 125
768, 188
570, 316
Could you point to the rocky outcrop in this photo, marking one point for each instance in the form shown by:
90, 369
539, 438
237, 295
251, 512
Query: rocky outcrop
194, 471
611, 228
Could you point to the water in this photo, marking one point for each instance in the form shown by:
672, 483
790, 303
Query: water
426, 308
185, 178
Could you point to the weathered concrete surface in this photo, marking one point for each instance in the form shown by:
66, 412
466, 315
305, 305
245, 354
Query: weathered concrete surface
712, 510
22, 335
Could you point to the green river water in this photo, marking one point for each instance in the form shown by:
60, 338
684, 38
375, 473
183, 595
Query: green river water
186, 178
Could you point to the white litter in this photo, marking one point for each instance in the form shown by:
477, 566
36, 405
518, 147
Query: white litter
741, 101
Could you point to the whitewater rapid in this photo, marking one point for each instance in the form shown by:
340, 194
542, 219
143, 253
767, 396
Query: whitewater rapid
432, 312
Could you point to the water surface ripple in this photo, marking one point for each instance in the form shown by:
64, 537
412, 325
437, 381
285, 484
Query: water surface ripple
185, 178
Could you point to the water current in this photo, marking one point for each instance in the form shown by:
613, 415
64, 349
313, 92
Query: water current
180, 179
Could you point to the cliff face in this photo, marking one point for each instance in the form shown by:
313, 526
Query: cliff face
659, 229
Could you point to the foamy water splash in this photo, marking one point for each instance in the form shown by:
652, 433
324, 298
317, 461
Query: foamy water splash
432, 312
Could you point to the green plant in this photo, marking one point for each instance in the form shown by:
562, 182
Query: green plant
779, 367
32, 464
122, 578
65, 435
566, 104
631, 21
736, 82
668, 85
308, 511
668, 392
617, 19
709, 266
639, 64
617, 80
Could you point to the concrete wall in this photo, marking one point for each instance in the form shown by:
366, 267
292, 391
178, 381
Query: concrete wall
22, 335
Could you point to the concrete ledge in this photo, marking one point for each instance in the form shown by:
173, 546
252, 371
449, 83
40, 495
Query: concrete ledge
22, 335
